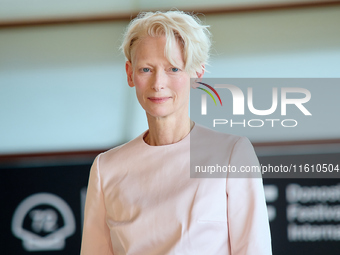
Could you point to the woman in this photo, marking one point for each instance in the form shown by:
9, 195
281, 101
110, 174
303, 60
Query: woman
141, 199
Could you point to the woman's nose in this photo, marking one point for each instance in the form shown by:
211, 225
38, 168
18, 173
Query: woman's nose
159, 81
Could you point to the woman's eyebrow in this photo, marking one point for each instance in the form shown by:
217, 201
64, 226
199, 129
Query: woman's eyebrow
142, 63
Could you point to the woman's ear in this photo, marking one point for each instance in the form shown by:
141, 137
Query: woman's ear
129, 72
201, 73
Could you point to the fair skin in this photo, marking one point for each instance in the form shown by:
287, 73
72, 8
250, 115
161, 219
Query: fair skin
162, 89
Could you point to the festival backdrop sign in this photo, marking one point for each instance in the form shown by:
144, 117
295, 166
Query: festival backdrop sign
43, 208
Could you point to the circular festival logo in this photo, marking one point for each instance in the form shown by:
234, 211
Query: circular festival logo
43, 221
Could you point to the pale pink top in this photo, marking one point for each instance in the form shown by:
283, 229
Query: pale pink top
141, 200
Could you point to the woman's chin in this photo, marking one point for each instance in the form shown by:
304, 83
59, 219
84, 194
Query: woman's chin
163, 112
159, 113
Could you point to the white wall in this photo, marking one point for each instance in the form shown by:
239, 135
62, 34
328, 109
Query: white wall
40, 9
64, 87
292, 43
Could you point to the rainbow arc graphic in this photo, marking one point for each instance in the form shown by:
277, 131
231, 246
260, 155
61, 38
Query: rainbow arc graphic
209, 93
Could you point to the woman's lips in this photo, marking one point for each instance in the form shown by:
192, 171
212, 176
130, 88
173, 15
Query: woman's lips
159, 100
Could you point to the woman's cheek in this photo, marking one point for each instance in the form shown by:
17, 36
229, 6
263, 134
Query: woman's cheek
140, 82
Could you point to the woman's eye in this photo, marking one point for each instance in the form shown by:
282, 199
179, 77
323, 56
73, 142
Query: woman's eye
145, 70
174, 69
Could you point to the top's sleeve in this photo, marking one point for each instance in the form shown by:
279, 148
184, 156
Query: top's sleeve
248, 223
96, 235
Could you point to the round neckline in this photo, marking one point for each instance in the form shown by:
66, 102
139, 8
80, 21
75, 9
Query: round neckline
167, 145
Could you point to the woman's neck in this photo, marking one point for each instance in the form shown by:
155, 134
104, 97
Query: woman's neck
163, 131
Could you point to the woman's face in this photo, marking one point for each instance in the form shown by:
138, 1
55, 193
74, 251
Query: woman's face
162, 89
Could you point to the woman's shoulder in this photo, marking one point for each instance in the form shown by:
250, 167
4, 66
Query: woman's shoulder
218, 143
219, 148
124, 150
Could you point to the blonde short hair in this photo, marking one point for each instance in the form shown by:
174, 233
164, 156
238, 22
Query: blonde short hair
175, 25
